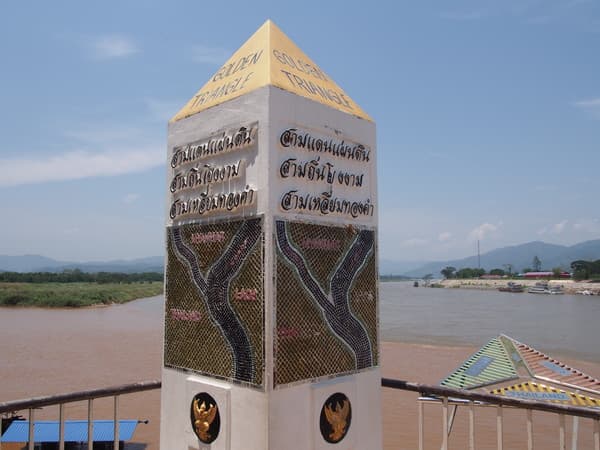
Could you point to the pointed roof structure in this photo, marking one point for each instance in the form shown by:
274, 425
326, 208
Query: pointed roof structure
269, 57
505, 366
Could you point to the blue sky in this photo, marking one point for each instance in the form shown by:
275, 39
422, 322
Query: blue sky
487, 112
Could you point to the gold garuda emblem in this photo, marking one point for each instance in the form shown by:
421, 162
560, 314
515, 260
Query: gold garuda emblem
205, 417
336, 416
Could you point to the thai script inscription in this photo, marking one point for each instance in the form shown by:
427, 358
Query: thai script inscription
206, 203
199, 185
326, 204
315, 170
293, 138
204, 175
226, 141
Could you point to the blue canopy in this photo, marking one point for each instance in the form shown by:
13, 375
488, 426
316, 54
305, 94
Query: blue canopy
75, 431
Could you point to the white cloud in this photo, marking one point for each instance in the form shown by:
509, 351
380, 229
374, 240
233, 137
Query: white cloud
77, 165
482, 231
589, 103
591, 106
113, 46
554, 229
444, 236
210, 55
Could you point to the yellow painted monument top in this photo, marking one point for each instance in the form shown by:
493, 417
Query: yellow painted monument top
269, 57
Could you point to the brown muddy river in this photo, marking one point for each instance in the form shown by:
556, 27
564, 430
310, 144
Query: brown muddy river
47, 351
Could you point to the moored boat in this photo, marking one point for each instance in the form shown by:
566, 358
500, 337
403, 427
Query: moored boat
512, 287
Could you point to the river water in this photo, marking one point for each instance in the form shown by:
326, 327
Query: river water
556, 324
50, 351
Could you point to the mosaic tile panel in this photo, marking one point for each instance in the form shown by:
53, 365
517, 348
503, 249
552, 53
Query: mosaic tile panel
326, 301
214, 308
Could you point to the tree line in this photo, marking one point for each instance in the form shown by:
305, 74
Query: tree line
78, 276
585, 270
582, 270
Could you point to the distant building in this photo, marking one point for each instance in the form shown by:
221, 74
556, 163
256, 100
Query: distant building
535, 275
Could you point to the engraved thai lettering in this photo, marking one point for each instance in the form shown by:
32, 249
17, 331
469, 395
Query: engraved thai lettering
202, 175
326, 204
205, 203
292, 138
223, 142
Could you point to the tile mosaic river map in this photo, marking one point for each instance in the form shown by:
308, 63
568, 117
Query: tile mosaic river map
326, 301
214, 309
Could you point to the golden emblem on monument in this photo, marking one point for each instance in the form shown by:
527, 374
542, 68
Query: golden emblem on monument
205, 417
336, 416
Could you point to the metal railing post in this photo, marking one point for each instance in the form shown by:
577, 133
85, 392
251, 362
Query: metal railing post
421, 426
91, 423
596, 434
61, 426
445, 424
30, 436
116, 423
529, 429
575, 433
499, 427
561, 432
471, 425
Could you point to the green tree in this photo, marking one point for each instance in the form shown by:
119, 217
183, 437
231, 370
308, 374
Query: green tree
581, 269
556, 271
497, 272
448, 272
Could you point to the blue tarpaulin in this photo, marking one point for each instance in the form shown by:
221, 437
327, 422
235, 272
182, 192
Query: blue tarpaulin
75, 431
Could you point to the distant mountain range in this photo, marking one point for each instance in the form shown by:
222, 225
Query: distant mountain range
37, 263
519, 257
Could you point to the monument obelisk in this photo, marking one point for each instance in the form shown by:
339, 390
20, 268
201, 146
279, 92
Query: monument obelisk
271, 337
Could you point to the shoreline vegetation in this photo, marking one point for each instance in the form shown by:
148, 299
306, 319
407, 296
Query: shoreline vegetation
75, 294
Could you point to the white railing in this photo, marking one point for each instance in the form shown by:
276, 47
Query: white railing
450, 398
32, 404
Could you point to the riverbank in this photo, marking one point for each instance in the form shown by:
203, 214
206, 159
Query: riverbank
568, 286
75, 295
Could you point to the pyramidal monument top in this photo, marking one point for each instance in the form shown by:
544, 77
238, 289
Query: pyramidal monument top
269, 57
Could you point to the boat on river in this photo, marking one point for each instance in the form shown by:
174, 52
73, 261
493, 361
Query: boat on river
543, 287
511, 286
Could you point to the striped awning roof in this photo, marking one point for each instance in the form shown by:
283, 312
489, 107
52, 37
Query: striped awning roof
489, 365
544, 367
504, 359
530, 390
75, 431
